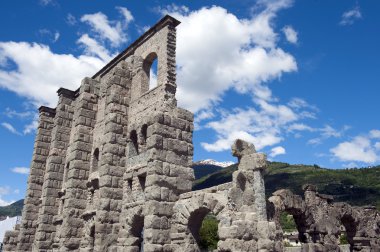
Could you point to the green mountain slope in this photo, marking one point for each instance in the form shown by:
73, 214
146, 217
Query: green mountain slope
355, 186
12, 210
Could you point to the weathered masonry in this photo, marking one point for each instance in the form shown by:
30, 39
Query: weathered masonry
111, 171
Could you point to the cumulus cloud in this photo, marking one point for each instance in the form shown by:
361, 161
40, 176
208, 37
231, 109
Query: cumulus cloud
21, 170
359, 149
290, 34
109, 30
227, 53
263, 127
250, 56
349, 17
279, 150
31, 79
93, 48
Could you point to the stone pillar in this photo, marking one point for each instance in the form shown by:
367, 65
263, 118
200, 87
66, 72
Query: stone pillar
112, 158
32, 200
55, 165
78, 160
248, 229
169, 174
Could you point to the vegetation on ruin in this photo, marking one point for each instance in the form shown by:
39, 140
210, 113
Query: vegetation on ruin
208, 233
287, 222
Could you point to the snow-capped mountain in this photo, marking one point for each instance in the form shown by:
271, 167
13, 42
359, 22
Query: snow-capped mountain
214, 162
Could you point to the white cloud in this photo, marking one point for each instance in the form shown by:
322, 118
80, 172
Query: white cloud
349, 17
279, 150
32, 126
21, 170
126, 13
300, 127
51, 36
374, 133
290, 34
11, 113
31, 79
4, 191
377, 145
359, 149
56, 36
93, 48
250, 56
327, 132
109, 30
10, 128
263, 127
4, 202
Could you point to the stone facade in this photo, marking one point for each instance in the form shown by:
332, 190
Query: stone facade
111, 171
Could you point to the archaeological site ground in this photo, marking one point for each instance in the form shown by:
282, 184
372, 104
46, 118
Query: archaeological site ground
111, 171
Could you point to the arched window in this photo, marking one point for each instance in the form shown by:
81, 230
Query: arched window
150, 67
134, 146
95, 160
203, 226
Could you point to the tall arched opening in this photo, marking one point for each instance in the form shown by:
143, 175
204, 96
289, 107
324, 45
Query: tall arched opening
203, 226
150, 67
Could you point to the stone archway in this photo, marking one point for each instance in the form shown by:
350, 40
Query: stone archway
188, 217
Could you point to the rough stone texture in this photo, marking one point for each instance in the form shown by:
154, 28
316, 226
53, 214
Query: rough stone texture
33, 197
239, 206
319, 221
111, 171
11, 239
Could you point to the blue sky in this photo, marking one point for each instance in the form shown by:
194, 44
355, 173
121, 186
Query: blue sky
299, 79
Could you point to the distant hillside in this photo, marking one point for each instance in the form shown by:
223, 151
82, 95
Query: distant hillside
355, 186
201, 170
13, 209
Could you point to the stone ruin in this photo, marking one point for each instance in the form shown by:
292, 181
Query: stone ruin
320, 221
111, 171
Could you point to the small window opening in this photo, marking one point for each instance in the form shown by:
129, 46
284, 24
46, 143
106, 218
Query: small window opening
60, 211
151, 69
134, 150
137, 230
92, 236
95, 160
130, 183
144, 130
66, 172
142, 180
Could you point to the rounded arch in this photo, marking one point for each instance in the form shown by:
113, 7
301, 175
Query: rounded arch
150, 69
190, 213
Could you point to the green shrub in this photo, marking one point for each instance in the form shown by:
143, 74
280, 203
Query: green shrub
209, 233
